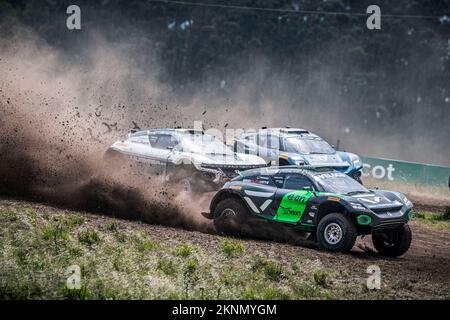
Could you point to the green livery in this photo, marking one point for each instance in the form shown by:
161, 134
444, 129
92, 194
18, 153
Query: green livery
293, 206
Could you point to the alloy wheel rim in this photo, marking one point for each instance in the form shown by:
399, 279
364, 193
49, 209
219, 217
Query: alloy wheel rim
228, 213
333, 233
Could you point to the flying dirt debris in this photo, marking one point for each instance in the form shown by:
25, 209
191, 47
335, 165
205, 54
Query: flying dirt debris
50, 151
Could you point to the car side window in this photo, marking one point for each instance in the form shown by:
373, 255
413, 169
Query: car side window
259, 179
153, 138
140, 139
268, 141
279, 181
298, 182
262, 140
164, 141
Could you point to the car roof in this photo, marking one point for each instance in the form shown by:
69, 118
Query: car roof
294, 132
307, 170
165, 131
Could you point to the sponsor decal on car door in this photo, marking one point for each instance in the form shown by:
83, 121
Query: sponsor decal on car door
292, 206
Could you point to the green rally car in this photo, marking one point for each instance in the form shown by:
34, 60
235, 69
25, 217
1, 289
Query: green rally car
329, 204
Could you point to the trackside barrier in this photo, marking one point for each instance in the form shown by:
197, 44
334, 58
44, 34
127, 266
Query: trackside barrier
406, 172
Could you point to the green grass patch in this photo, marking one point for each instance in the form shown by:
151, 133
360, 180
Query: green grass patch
306, 290
112, 226
322, 278
89, 237
441, 220
275, 294
190, 276
184, 251
144, 244
445, 216
56, 235
8, 216
249, 294
232, 248
121, 237
271, 269
191, 265
76, 294
74, 221
166, 266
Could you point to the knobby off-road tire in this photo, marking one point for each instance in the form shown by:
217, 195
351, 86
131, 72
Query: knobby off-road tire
336, 232
393, 243
229, 216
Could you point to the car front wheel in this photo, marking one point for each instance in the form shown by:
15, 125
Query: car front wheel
393, 243
336, 232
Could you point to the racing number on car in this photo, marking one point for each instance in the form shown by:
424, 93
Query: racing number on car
293, 205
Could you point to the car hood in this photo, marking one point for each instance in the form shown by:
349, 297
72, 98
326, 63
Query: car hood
330, 160
374, 201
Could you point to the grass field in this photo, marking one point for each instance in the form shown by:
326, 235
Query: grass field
121, 259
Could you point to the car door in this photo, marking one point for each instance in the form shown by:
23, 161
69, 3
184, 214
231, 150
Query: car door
247, 144
141, 154
291, 197
268, 146
259, 195
161, 146
139, 147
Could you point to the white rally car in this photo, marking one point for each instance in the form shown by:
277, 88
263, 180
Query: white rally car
184, 155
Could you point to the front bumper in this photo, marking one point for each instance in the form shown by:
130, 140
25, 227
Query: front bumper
384, 221
388, 224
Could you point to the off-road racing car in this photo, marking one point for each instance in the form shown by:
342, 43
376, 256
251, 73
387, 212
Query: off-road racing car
183, 155
329, 204
290, 146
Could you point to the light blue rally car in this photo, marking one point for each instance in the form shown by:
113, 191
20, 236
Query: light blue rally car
291, 146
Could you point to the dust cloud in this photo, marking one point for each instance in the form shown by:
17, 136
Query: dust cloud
60, 112
58, 118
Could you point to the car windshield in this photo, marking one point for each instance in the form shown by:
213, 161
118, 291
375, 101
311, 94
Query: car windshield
307, 146
204, 144
336, 182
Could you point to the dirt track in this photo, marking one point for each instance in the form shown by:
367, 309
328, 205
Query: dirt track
423, 272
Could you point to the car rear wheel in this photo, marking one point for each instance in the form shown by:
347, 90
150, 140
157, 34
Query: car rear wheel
393, 243
229, 215
336, 232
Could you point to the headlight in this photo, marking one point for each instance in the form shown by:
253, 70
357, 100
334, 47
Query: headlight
355, 159
407, 202
357, 206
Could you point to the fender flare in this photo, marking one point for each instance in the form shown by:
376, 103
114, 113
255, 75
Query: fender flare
328, 207
224, 194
